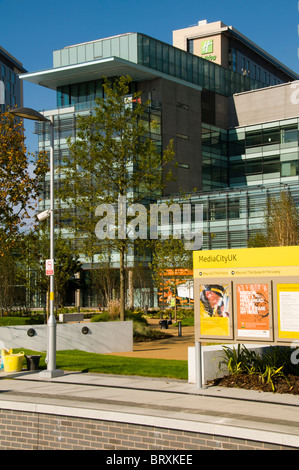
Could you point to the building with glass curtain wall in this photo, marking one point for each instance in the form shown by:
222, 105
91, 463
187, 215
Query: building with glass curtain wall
11, 88
235, 137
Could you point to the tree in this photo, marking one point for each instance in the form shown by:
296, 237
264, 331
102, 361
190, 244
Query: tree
12, 281
19, 187
281, 223
113, 157
36, 250
170, 259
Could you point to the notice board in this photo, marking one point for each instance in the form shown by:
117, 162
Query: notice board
247, 294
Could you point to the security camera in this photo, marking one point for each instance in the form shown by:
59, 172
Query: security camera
43, 215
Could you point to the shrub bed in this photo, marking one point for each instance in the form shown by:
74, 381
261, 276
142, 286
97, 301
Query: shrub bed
273, 370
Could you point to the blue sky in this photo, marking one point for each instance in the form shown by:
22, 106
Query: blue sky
32, 29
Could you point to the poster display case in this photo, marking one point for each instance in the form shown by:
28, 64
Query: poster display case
253, 307
214, 305
247, 295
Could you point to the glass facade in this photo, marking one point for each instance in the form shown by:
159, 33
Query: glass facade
241, 168
65, 127
214, 158
185, 66
162, 57
82, 95
231, 217
264, 154
9, 87
249, 156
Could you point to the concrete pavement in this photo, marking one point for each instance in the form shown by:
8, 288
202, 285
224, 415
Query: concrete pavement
162, 403
242, 414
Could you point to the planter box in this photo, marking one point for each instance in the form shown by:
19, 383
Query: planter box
70, 317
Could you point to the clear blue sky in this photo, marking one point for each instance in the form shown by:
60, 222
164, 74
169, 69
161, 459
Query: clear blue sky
32, 29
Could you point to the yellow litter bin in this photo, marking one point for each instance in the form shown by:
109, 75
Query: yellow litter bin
5, 352
13, 362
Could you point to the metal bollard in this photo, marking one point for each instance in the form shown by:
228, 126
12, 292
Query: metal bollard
179, 328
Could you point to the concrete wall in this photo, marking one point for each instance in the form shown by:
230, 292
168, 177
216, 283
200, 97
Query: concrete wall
101, 338
269, 104
211, 357
37, 427
181, 122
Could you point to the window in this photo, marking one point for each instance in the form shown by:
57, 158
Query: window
254, 138
234, 208
271, 164
290, 168
271, 136
218, 210
190, 45
254, 166
289, 134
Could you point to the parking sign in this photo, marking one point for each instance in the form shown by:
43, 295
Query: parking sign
49, 267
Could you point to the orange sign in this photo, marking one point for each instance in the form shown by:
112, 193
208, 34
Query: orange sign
253, 310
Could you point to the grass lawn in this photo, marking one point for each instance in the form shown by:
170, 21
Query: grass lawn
76, 360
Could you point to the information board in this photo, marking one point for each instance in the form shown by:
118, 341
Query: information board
288, 310
247, 294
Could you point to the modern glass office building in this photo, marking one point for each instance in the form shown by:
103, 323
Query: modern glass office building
235, 137
11, 89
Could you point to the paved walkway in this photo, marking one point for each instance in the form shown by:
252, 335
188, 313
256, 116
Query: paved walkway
262, 417
176, 347
244, 414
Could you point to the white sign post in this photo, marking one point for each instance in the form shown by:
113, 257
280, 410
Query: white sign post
49, 267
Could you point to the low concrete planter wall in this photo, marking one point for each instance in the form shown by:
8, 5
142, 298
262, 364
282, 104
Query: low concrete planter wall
101, 337
211, 356
70, 317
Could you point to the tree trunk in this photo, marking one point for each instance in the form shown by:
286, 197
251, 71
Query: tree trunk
122, 283
131, 288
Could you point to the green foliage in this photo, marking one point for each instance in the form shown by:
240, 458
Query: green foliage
113, 155
104, 316
133, 316
141, 330
36, 249
182, 313
270, 374
281, 223
12, 280
270, 364
18, 186
108, 364
17, 320
169, 259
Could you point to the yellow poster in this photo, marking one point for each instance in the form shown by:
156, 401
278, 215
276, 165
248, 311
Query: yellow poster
214, 310
288, 310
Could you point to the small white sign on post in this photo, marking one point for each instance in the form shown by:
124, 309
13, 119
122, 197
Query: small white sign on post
49, 267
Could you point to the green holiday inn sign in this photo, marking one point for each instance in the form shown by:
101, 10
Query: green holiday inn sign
207, 47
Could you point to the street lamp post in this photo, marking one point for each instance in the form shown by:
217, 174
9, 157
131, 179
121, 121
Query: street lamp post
51, 370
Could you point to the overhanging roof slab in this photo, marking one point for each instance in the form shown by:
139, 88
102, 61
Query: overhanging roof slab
96, 69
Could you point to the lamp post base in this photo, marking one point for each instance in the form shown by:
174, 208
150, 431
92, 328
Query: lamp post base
50, 374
